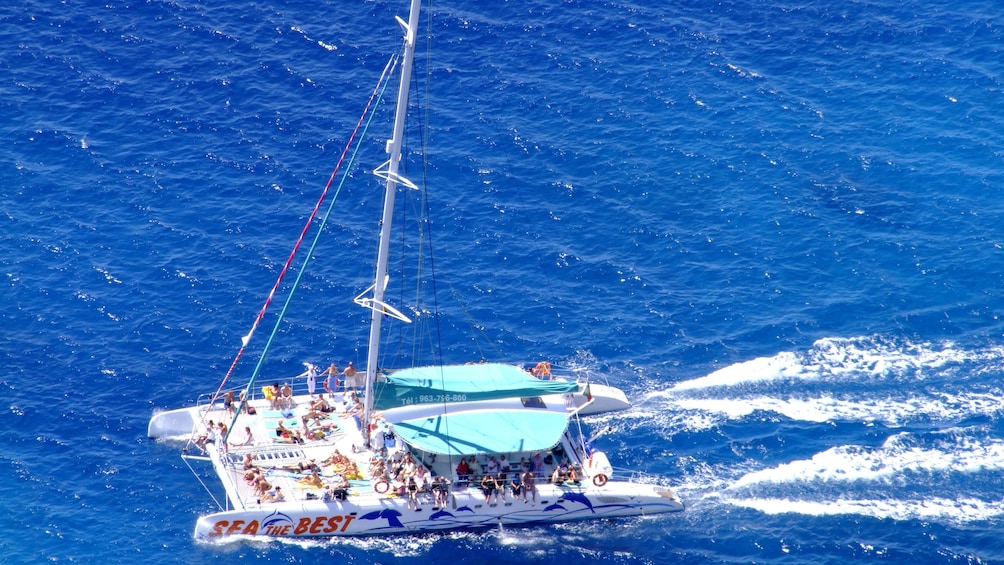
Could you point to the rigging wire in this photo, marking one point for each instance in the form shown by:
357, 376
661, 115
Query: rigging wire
375, 96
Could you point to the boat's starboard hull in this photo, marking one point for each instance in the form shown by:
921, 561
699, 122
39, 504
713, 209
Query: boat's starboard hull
368, 515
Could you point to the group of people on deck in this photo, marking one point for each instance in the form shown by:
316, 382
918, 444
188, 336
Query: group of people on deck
496, 480
329, 378
281, 397
402, 474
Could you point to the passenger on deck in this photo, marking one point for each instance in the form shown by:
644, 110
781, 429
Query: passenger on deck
351, 380
314, 480
311, 375
560, 474
299, 467
440, 491
286, 402
251, 475
274, 495
516, 486
339, 489
501, 479
463, 472
529, 486
221, 434
248, 460
357, 407
318, 432
313, 415
573, 474
411, 487
408, 465
493, 466
489, 487
274, 395
422, 476
262, 486
321, 405
377, 465
206, 437
228, 402
248, 439
284, 433
338, 460
330, 380
537, 463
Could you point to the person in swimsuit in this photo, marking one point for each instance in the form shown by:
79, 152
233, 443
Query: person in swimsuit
351, 382
529, 486
330, 380
488, 487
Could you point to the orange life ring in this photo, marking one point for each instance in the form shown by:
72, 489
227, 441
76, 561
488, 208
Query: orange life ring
543, 369
381, 487
600, 479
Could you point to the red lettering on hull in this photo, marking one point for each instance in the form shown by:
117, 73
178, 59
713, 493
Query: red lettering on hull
314, 526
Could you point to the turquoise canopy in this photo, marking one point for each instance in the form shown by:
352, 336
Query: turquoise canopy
484, 431
462, 383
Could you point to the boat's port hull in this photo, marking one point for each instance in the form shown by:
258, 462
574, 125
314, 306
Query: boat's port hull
466, 509
180, 422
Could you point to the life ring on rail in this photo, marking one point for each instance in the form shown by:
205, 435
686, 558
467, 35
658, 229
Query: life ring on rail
381, 487
543, 369
600, 479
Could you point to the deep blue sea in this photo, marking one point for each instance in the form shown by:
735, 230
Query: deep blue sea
778, 225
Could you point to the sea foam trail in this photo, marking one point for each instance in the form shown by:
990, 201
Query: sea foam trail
888, 481
900, 454
848, 380
930, 509
828, 408
842, 359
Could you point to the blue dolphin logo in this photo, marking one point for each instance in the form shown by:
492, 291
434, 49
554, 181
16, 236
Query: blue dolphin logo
580, 498
440, 514
390, 515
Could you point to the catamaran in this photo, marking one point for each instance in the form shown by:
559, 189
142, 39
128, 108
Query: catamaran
419, 449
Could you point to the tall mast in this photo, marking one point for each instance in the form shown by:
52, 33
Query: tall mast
389, 172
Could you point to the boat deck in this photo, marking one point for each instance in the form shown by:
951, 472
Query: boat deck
283, 461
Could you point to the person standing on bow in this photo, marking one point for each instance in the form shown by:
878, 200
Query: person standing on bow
350, 377
330, 380
311, 375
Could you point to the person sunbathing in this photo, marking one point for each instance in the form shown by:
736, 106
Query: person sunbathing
248, 439
300, 466
314, 480
262, 486
252, 475
273, 496
284, 433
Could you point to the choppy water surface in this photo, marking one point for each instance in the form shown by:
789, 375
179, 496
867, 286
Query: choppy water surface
777, 226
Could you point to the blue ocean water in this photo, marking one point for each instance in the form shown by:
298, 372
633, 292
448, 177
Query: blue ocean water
778, 226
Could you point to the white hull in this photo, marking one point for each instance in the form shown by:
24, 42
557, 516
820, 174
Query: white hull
371, 514
306, 513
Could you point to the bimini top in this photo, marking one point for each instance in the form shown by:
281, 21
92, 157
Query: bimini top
461, 383
484, 431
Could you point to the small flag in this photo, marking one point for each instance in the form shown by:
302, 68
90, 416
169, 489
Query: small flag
585, 391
